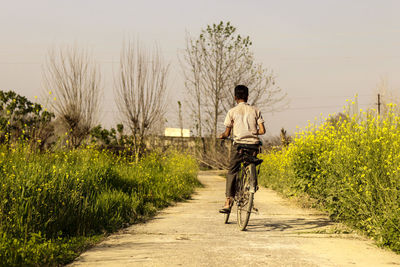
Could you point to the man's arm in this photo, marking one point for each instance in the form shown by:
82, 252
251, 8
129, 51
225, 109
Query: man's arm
261, 129
226, 134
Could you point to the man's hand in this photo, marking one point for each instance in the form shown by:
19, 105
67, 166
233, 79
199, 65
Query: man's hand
226, 133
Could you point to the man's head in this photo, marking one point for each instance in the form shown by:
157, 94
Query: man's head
241, 92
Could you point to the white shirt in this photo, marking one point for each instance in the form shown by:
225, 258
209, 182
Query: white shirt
244, 119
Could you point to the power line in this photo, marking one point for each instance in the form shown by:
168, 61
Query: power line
20, 63
321, 107
39, 63
324, 96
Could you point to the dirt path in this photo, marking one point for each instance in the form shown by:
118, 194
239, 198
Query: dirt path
193, 234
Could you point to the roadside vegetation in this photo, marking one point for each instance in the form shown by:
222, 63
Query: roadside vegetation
55, 204
350, 165
62, 189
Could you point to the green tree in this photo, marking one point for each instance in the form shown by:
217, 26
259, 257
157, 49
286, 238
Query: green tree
23, 119
213, 64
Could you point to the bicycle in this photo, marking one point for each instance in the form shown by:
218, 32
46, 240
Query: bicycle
246, 185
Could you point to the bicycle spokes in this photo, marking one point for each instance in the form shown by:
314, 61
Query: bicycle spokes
244, 196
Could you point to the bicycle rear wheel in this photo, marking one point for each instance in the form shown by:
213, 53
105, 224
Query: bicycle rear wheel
244, 200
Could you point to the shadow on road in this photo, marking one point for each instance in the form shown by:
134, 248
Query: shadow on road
292, 225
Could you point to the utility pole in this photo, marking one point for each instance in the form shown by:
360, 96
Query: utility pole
379, 104
180, 117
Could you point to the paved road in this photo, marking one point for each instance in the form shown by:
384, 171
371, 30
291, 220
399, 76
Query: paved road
193, 234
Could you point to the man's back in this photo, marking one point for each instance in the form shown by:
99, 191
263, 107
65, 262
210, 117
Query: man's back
244, 120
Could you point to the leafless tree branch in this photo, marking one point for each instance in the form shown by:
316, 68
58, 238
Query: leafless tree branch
140, 88
75, 81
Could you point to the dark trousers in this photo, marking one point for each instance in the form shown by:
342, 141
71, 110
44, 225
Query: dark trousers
234, 168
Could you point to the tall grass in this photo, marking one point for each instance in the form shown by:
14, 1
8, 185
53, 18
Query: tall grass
53, 202
351, 166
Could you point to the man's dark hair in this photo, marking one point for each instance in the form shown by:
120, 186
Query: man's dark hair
241, 92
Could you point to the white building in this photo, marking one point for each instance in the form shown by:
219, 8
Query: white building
176, 132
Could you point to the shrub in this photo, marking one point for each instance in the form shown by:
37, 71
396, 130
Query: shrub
351, 167
20, 118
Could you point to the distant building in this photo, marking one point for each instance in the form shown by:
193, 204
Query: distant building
176, 132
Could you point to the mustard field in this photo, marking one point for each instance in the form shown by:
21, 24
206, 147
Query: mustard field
350, 164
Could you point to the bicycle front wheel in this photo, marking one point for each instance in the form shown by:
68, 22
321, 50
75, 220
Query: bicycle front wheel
226, 217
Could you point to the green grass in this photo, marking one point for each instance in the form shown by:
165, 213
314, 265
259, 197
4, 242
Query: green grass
56, 204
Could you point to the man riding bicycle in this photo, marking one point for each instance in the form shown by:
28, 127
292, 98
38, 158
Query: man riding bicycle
246, 123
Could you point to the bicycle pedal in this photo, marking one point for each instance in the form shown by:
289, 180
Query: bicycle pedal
255, 209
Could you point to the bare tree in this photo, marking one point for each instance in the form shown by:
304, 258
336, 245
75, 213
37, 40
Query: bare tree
217, 61
192, 70
140, 87
74, 80
219, 50
264, 91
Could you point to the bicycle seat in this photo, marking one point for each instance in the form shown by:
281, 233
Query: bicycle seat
249, 152
252, 159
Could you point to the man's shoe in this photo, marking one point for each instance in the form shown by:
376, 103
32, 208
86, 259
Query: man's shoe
225, 210
228, 205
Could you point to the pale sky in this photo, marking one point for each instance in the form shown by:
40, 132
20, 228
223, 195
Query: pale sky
322, 52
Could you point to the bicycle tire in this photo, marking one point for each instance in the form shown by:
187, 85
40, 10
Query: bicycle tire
243, 213
244, 199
